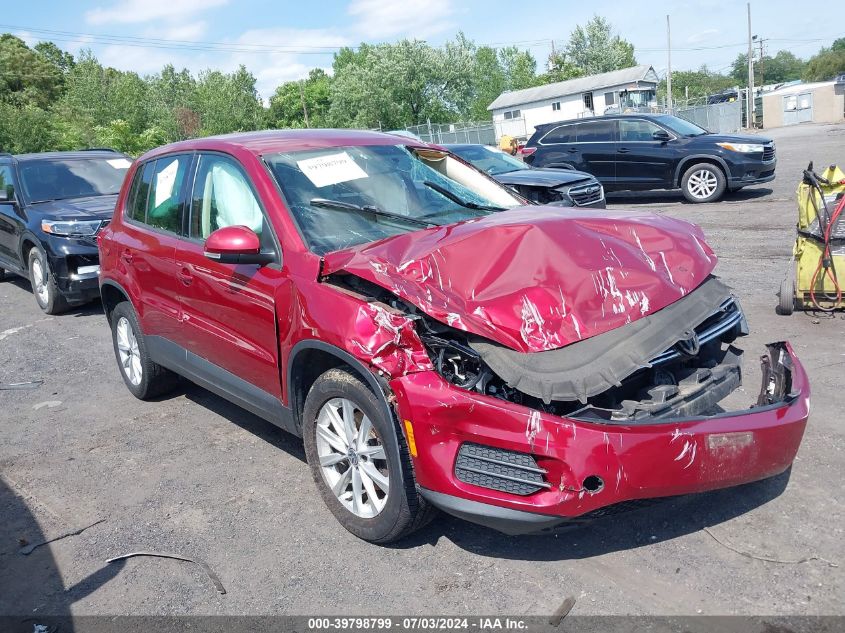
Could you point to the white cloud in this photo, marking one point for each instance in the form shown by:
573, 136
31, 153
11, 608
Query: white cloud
191, 31
703, 36
134, 11
386, 18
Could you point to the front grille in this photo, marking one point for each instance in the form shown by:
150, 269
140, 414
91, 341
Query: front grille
728, 317
498, 469
768, 152
586, 194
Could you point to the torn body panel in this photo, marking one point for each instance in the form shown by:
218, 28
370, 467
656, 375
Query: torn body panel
550, 276
587, 465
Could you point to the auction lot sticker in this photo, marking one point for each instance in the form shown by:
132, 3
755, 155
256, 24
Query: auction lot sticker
331, 169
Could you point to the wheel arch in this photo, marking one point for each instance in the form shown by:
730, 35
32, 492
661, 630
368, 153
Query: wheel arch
309, 359
687, 161
112, 294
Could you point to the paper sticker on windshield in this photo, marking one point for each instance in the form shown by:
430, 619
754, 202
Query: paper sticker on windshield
165, 179
119, 163
331, 169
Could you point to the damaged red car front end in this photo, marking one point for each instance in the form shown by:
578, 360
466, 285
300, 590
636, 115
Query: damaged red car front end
547, 365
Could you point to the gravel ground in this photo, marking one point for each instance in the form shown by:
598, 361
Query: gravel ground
194, 475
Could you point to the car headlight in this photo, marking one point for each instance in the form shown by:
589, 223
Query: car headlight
70, 227
744, 148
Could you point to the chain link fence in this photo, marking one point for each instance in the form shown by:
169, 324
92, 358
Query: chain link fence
482, 133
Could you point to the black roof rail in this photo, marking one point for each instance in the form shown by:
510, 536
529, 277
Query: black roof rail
100, 149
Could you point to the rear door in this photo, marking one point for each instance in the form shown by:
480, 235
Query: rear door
596, 142
228, 310
642, 161
146, 247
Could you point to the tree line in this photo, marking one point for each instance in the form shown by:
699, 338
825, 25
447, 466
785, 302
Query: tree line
51, 100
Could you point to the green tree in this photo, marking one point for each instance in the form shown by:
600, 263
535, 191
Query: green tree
227, 102
62, 60
784, 66
827, 63
594, 48
26, 78
286, 103
695, 83
171, 98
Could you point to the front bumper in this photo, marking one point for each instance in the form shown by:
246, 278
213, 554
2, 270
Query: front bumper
752, 173
589, 466
75, 264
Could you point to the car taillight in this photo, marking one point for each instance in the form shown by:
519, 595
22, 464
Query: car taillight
527, 151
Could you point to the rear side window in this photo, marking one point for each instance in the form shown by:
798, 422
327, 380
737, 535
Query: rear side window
164, 202
561, 134
596, 132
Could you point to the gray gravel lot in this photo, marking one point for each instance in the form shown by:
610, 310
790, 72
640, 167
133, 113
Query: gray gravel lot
195, 475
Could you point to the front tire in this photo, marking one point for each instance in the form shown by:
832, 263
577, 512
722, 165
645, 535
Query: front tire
143, 377
47, 294
703, 182
358, 460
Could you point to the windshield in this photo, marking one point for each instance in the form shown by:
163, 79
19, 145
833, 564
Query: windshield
681, 127
344, 196
59, 179
488, 159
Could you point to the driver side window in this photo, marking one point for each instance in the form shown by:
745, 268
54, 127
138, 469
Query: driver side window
223, 197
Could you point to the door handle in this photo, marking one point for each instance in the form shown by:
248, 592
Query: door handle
623, 150
572, 150
126, 256
185, 276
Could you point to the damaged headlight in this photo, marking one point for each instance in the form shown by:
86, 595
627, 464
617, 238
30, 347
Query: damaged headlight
456, 362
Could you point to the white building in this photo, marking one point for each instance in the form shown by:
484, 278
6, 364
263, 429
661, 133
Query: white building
517, 112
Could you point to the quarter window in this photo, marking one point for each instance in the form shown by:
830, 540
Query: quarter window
561, 134
223, 197
136, 208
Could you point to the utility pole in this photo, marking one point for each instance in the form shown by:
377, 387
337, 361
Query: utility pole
760, 42
669, 72
750, 100
302, 99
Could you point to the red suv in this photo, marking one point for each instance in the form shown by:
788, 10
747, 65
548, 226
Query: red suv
435, 341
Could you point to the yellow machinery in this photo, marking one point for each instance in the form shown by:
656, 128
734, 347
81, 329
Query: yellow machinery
819, 252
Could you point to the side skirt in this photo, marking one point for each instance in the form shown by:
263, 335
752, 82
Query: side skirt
222, 382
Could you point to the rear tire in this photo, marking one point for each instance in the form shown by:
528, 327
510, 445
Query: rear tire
786, 297
703, 182
352, 470
47, 294
143, 377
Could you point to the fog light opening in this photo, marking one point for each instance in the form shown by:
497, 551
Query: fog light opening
593, 484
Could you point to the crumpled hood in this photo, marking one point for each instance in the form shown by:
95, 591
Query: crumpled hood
537, 278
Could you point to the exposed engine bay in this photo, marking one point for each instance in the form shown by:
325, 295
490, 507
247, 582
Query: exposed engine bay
658, 367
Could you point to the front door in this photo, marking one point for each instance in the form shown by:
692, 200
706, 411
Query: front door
642, 161
228, 310
11, 223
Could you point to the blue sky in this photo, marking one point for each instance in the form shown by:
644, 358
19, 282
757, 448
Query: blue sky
281, 40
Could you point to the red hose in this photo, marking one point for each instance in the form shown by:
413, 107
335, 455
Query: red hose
829, 271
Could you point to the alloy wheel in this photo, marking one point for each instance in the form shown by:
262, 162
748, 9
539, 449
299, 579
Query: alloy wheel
39, 281
127, 348
702, 184
352, 458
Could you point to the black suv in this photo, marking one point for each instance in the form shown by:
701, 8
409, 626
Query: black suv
637, 151
52, 206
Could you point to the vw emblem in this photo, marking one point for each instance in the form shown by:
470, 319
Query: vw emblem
689, 346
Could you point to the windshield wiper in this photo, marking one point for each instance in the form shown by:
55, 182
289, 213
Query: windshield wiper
339, 205
457, 200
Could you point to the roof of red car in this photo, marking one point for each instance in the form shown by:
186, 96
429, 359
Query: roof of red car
271, 141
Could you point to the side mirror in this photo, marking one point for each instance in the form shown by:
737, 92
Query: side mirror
236, 245
662, 136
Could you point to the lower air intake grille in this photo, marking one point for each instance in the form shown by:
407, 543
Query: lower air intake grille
498, 469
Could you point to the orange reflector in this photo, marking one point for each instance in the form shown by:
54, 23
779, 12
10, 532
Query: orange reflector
409, 433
